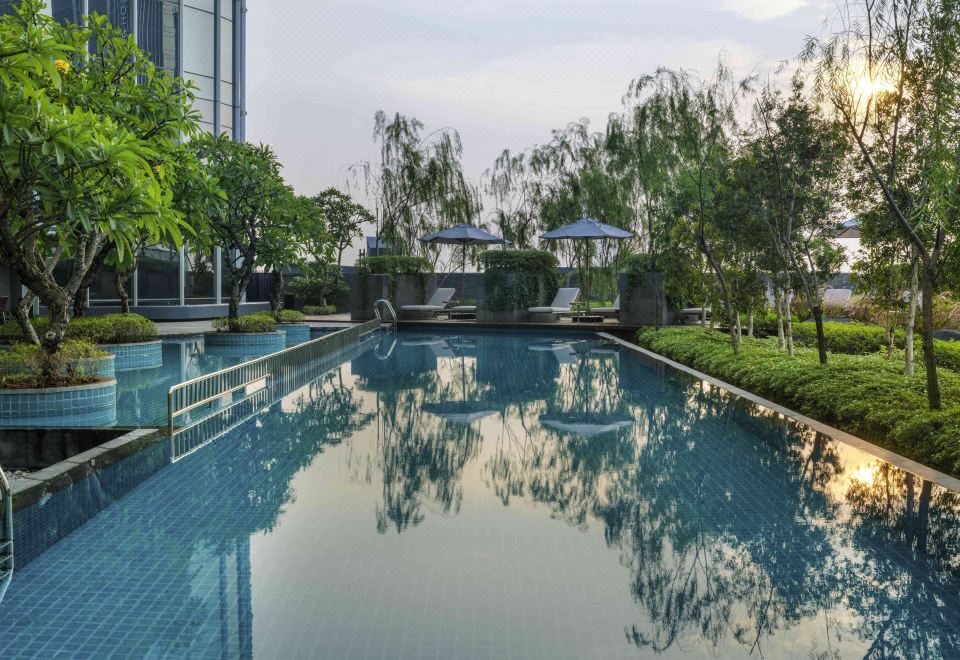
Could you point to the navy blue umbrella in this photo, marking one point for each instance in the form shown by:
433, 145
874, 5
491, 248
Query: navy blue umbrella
586, 229
463, 235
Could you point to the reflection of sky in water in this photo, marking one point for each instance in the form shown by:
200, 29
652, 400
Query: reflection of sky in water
510, 495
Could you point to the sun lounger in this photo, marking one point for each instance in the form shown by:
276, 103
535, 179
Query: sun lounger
562, 303
607, 311
437, 303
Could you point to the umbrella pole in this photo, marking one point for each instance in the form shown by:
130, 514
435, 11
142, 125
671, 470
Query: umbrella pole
463, 277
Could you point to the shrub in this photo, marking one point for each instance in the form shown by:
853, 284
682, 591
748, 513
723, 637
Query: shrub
319, 310
20, 365
394, 265
248, 323
288, 316
108, 329
318, 283
865, 395
534, 278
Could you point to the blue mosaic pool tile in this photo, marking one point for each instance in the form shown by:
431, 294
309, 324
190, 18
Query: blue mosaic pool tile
85, 406
141, 355
296, 333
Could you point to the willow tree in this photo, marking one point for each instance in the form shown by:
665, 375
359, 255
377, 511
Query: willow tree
797, 158
891, 74
697, 116
417, 185
86, 153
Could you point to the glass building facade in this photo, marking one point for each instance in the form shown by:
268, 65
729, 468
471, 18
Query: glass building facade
202, 41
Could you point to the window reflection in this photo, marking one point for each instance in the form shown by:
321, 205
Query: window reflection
158, 27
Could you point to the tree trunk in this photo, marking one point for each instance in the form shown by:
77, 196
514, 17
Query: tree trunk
788, 318
119, 278
891, 328
58, 306
276, 291
703, 314
817, 312
908, 347
778, 308
82, 295
23, 318
750, 325
238, 286
739, 330
926, 335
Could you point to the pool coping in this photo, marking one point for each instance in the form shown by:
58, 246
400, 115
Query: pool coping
906, 464
31, 487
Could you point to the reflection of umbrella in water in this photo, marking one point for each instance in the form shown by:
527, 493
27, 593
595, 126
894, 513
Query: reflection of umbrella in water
461, 412
587, 425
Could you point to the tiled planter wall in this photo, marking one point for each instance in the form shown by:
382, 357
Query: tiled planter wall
60, 407
142, 355
297, 333
246, 344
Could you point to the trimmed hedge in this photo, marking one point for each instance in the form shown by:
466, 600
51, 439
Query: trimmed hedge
107, 329
20, 365
859, 339
535, 276
288, 316
865, 395
248, 323
394, 265
319, 310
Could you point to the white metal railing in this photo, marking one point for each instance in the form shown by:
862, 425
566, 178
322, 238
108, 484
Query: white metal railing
6, 541
384, 305
250, 377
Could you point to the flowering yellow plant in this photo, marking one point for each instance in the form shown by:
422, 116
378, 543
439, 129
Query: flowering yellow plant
63, 66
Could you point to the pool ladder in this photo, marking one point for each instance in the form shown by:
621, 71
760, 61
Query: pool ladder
381, 306
6, 540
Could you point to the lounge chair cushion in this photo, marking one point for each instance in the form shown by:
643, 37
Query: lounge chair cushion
437, 301
562, 302
608, 310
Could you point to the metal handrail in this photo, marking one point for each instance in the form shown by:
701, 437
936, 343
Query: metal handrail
6, 542
383, 302
202, 390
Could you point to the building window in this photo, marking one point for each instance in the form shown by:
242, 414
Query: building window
118, 12
67, 11
158, 32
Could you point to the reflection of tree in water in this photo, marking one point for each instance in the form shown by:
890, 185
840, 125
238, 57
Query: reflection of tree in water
897, 514
419, 455
732, 535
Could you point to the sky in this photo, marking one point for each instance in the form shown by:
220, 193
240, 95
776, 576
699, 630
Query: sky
503, 73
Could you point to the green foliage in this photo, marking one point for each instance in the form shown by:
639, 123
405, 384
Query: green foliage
394, 265
517, 279
344, 219
107, 329
248, 323
319, 310
288, 316
319, 282
21, 365
864, 395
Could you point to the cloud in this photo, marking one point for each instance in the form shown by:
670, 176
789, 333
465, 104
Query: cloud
763, 10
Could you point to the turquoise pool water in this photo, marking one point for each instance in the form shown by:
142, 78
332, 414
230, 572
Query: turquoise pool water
505, 495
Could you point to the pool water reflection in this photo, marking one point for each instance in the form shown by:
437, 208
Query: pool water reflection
509, 495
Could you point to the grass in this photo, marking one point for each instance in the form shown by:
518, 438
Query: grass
865, 395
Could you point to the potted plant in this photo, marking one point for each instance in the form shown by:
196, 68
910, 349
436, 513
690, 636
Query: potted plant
247, 335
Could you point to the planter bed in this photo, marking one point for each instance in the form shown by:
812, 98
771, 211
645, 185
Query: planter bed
103, 367
139, 355
77, 406
246, 343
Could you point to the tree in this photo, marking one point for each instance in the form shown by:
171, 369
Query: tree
889, 73
418, 184
256, 217
343, 218
85, 152
796, 159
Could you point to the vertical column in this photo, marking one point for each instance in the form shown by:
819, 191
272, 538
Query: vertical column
134, 28
136, 287
239, 69
182, 272
218, 276
217, 13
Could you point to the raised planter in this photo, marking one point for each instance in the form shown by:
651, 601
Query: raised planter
140, 355
399, 290
638, 299
296, 333
245, 344
76, 406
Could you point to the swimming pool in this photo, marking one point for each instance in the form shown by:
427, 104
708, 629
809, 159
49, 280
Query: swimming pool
505, 495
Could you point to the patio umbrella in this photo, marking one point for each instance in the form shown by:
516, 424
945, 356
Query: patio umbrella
586, 229
463, 235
